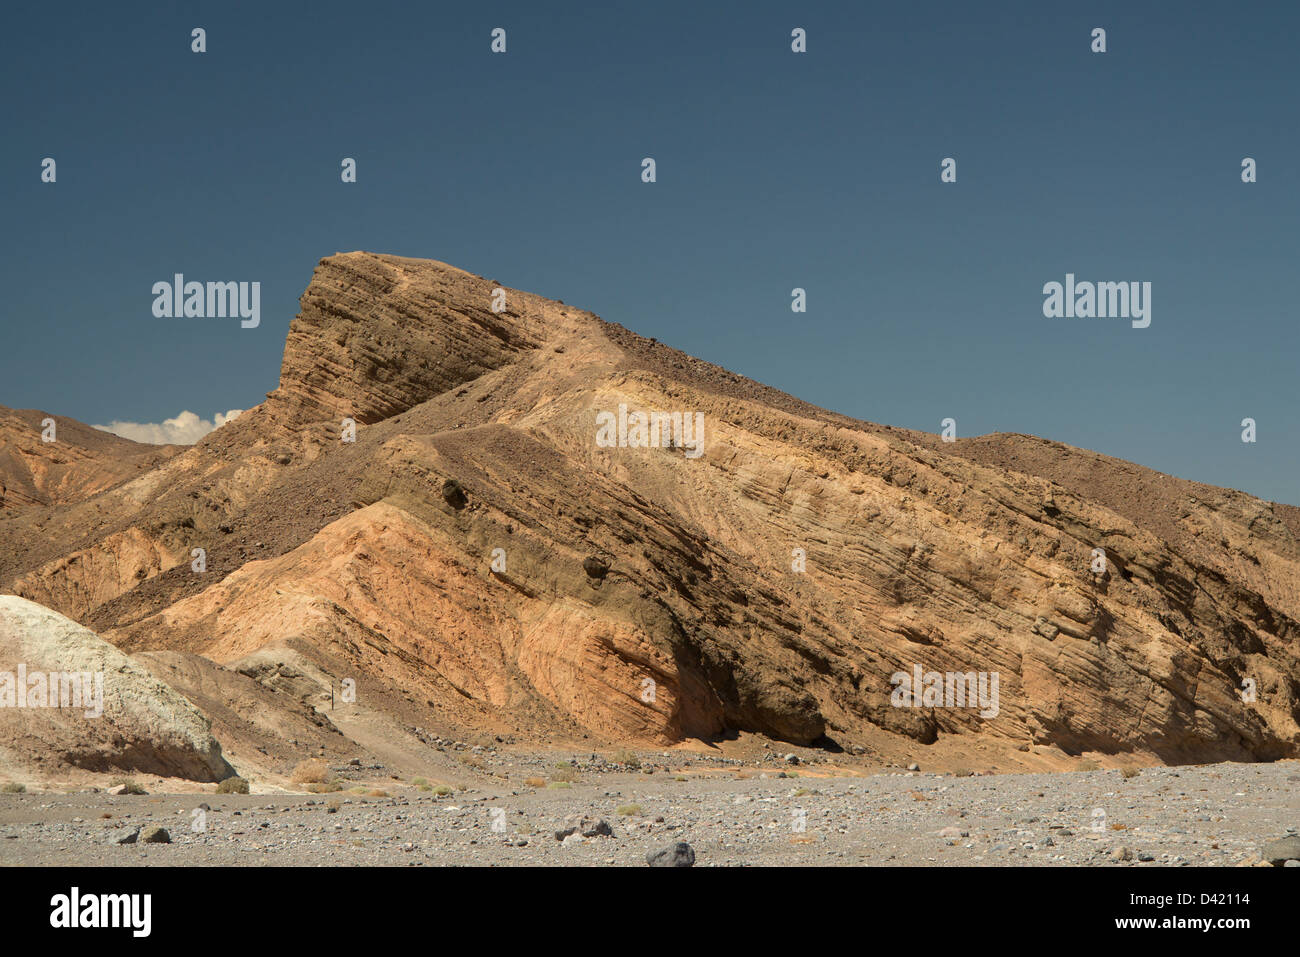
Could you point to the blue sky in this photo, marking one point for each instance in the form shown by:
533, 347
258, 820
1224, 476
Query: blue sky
775, 170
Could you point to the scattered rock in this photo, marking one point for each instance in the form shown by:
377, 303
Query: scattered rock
584, 826
454, 494
680, 854
155, 835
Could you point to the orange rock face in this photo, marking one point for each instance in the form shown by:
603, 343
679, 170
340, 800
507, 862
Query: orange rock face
515, 544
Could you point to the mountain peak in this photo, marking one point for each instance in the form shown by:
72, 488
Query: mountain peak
378, 334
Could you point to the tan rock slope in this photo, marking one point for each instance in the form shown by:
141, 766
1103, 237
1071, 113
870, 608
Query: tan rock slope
83, 461
648, 595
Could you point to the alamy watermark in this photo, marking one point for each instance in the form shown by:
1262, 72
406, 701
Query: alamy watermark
1098, 300
179, 299
946, 689
651, 430
53, 689
130, 911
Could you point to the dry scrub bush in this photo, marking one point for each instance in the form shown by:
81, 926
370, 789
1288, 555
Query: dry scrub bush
311, 771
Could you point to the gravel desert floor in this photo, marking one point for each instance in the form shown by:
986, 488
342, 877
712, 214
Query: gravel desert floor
1209, 815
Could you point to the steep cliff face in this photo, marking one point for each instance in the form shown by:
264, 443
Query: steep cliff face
482, 557
378, 335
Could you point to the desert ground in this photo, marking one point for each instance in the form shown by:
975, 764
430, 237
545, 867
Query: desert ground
774, 811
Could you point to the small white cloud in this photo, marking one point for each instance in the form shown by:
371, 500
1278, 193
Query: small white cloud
186, 429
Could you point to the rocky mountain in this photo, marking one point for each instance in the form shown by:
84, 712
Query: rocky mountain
452, 518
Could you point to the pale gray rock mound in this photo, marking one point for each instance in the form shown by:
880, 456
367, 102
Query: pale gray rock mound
100, 711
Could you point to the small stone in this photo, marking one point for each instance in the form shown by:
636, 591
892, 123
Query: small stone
1121, 854
129, 838
155, 835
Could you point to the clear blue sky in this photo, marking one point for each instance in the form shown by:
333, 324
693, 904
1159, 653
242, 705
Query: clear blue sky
775, 170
